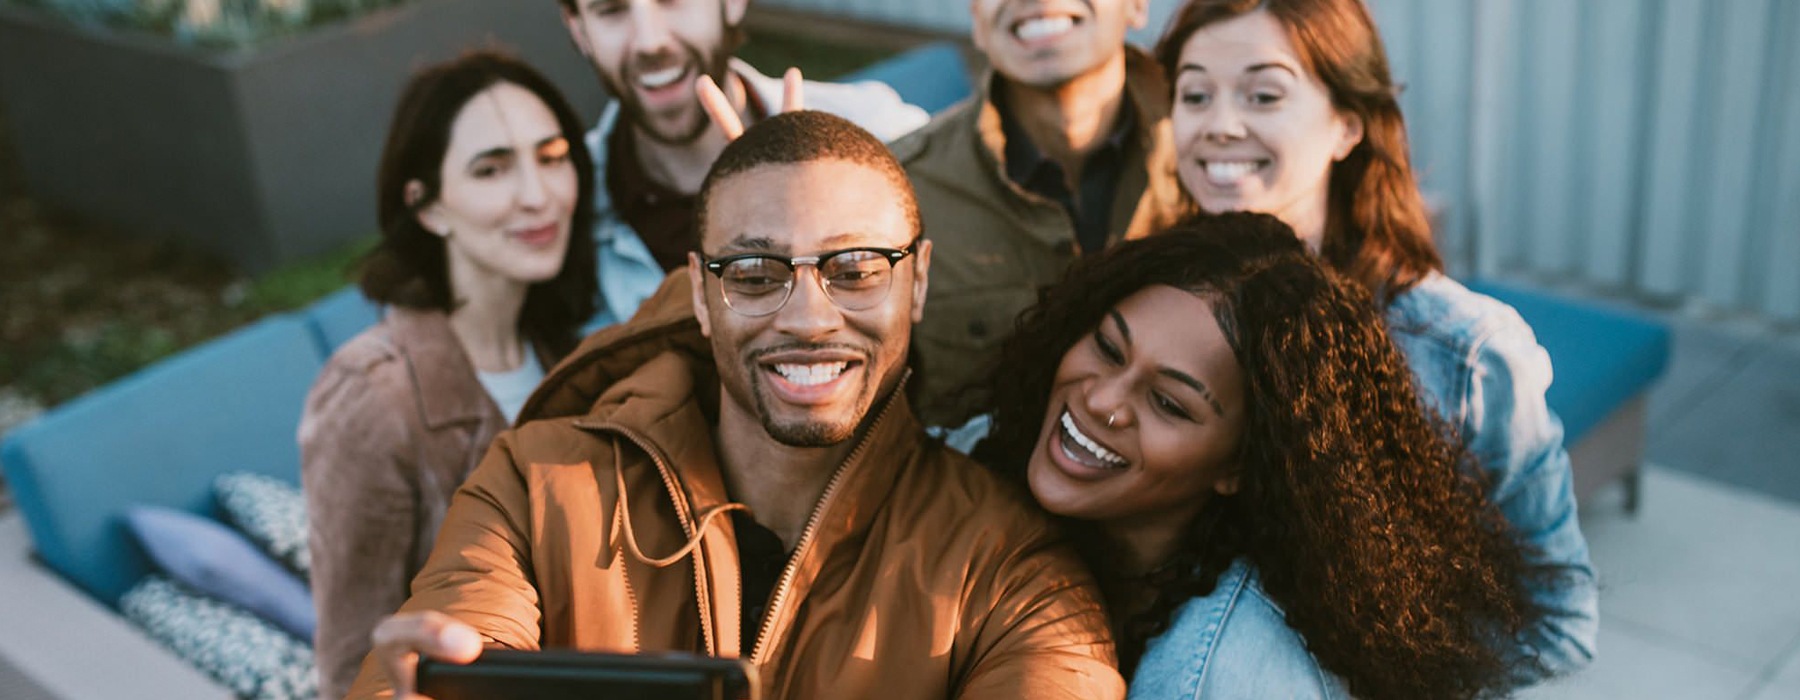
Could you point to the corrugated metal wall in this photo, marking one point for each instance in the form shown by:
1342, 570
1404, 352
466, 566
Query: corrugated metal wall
1645, 146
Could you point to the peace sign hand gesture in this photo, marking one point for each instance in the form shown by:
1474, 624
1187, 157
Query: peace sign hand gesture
718, 106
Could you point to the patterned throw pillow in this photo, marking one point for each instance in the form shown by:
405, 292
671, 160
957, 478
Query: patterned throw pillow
269, 511
251, 657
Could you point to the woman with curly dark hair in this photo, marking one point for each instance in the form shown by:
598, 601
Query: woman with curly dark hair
1269, 506
1287, 107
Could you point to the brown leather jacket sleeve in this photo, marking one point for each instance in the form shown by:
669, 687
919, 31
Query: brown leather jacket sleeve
480, 569
361, 508
1046, 633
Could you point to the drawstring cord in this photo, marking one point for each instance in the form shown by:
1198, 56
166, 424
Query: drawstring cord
622, 519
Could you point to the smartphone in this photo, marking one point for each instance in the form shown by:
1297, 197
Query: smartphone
500, 674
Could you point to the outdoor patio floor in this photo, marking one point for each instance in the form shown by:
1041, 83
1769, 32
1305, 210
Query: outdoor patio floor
1729, 407
1697, 595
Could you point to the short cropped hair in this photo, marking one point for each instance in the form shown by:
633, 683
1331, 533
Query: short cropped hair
803, 137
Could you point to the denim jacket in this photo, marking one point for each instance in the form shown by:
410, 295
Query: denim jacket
1233, 643
628, 273
1479, 366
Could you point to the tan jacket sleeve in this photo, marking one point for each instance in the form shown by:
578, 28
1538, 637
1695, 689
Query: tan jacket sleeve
480, 571
361, 505
1045, 634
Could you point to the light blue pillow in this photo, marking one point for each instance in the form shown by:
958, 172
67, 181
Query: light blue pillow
213, 559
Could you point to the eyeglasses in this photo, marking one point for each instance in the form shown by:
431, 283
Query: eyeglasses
757, 284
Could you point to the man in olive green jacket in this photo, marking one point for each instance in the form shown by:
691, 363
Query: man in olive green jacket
1065, 150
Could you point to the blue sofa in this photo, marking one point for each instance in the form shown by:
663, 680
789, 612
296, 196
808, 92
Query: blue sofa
160, 436
157, 437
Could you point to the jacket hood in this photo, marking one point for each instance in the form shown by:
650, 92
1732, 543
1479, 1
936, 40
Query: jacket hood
665, 322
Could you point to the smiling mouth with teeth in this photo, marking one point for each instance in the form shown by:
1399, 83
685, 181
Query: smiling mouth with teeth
1077, 446
811, 375
658, 79
1225, 173
1038, 28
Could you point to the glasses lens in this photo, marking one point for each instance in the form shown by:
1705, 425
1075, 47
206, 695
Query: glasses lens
756, 286
857, 279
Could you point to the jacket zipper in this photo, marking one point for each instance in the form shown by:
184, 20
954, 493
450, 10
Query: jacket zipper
759, 654
637, 642
703, 602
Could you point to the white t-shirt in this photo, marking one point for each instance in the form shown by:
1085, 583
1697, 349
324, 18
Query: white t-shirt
509, 389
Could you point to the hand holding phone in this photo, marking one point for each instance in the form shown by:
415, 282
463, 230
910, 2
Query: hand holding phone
400, 641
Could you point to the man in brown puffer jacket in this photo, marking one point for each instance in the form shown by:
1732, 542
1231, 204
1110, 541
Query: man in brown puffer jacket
737, 472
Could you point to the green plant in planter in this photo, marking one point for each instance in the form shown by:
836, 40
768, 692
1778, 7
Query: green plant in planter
229, 23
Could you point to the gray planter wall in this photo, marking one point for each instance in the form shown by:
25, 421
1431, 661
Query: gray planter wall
263, 156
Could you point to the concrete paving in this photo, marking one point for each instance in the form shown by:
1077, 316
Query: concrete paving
1697, 595
1729, 407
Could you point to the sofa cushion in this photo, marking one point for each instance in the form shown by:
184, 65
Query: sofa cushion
211, 558
339, 317
1600, 357
244, 653
158, 437
269, 511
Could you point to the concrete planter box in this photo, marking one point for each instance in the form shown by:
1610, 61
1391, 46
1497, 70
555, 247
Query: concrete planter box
260, 155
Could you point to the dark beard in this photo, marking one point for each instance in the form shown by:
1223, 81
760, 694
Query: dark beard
807, 434
810, 434
714, 65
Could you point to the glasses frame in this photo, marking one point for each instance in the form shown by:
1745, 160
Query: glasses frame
717, 267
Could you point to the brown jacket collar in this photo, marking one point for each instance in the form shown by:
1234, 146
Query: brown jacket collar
665, 321
444, 381
663, 408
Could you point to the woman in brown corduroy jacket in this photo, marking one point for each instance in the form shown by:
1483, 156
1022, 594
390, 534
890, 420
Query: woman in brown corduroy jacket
486, 269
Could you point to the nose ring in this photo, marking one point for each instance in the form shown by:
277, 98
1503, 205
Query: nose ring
1109, 419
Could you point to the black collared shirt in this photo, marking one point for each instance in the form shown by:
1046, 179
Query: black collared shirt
761, 559
1090, 208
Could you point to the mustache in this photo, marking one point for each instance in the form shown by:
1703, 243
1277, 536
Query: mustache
759, 353
666, 58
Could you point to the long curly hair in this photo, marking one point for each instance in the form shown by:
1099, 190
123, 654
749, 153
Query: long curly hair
1362, 514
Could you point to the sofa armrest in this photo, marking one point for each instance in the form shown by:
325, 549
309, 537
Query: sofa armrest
72, 646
